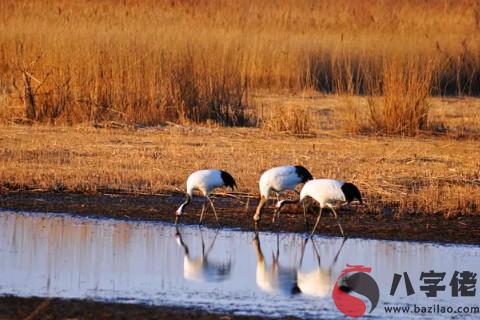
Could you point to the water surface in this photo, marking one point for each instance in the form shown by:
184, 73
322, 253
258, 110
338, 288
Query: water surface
53, 255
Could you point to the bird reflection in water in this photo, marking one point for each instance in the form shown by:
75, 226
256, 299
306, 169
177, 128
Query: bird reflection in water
201, 268
317, 282
275, 278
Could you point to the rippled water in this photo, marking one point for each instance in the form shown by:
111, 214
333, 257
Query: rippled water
50, 255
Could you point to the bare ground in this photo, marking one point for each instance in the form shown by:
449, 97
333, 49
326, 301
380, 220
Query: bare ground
43, 309
237, 213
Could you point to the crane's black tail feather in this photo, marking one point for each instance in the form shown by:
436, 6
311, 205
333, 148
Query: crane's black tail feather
228, 180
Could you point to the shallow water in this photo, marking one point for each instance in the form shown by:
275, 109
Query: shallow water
52, 255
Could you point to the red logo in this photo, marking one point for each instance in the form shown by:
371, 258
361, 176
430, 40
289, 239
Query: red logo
355, 279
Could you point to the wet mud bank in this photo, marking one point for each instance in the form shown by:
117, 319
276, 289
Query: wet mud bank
12, 307
234, 213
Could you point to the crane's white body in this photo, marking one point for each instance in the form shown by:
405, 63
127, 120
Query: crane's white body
205, 181
327, 192
279, 179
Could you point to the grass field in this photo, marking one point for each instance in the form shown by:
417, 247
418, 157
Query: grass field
424, 174
134, 95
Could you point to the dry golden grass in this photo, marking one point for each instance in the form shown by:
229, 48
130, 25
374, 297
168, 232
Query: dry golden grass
401, 105
351, 114
269, 63
288, 119
148, 62
425, 174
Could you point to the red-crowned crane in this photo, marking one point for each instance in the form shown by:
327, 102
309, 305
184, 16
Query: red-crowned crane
328, 193
205, 181
280, 179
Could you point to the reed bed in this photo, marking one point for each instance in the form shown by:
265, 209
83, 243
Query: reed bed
149, 62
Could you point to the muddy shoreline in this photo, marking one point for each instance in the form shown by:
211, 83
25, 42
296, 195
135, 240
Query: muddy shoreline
235, 213
44, 308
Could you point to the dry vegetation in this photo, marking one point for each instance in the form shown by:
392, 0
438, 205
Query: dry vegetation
426, 174
148, 62
316, 69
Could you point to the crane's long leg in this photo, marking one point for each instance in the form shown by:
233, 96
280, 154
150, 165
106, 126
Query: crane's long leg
338, 222
276, 215
277, 211
203, 210
304, 210
305, 214
258, 211
316, 223
213, 207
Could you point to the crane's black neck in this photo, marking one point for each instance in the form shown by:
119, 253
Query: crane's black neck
303, 173
186, 202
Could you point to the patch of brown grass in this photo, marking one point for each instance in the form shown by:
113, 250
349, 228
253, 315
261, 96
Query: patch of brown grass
399, 101
289, 119
426, 175
458, 118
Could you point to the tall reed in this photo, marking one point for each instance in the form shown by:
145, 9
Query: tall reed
398, 101
193, 61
